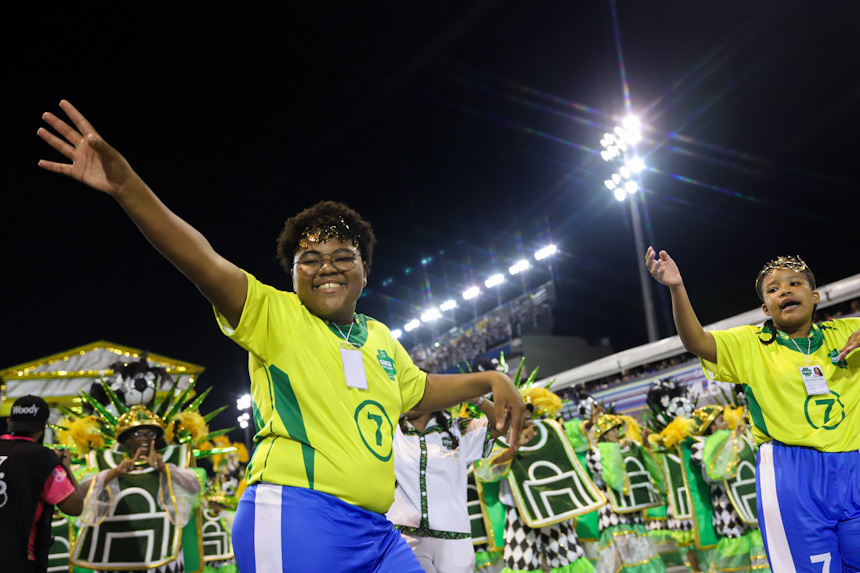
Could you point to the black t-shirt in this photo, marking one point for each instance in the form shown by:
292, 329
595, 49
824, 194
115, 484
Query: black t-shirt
25, 466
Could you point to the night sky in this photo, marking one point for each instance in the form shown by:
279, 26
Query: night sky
464, 131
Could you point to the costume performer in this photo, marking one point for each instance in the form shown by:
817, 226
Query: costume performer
726, 457
673, 533
545, 488
432, 454
577, 432
327, 384
807, 426
620, 465
139, 502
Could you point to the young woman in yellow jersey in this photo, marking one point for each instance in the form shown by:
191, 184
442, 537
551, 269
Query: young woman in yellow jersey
807, 425
326, 382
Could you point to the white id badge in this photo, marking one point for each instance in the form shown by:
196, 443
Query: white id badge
353, 366
814, 380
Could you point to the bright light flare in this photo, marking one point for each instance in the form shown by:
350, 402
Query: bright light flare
243, 402
519, 266
636, 165
545, 252
494, 280
620, 194
412, 325
396, 333
430, 315
471, 292
448, 305
631, 187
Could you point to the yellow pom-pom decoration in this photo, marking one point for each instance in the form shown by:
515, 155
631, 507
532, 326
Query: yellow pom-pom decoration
190, 426
86, 434
544, 401
677, 430
733, 416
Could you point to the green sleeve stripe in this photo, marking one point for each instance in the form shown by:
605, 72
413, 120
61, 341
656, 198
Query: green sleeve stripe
755, 411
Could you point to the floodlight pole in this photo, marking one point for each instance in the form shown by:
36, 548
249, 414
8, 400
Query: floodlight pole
644, 275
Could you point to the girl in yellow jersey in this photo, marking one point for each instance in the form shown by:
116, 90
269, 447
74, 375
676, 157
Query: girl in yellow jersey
327, 383
805, 420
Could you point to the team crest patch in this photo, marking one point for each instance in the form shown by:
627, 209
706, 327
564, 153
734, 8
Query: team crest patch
447, 442
387, 364
834, 354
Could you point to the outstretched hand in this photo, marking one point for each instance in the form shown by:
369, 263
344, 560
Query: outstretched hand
851, 345
510, 409
662, 268
93, 161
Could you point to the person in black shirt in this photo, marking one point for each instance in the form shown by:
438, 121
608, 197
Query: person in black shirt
33, 479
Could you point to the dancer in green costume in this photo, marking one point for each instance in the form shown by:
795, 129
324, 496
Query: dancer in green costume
625, 470
726, 458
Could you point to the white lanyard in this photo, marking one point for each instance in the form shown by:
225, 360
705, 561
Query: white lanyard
348, 332
808, 348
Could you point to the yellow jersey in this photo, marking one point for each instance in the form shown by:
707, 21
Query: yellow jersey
781, 407
312, 430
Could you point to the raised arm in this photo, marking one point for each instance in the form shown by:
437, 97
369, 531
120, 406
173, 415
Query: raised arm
100, 166
695, 338
446, 390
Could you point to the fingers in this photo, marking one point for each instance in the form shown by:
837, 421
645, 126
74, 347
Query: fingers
55, 142
62, 128
77, 117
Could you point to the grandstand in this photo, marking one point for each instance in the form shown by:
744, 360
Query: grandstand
623, 378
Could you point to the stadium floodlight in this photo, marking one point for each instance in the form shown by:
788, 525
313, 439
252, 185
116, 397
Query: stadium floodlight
616, 178
636, 165
471, 292
625, 172
448, 305
545, 252
631, 187
519, 266
632, 129
430, 315
620, 194
243, 402
494, 280
411, 325
396, 333
610, 184
244, 420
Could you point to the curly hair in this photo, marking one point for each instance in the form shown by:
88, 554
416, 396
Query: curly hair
320, 214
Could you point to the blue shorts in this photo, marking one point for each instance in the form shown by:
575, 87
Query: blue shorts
280, 528
809, 508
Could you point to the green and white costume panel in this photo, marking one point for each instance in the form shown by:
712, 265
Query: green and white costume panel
315, 429
216, 532
727, 464
545, 487
136, 521
624, 542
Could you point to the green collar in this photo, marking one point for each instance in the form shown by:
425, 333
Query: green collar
807, 345
358, 332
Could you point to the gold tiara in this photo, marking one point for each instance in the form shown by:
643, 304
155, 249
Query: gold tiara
781, 263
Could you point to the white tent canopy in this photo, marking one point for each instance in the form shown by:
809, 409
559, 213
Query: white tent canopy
63, 375
834, 293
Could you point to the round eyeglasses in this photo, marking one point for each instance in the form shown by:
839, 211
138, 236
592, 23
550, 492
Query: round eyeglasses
310, 263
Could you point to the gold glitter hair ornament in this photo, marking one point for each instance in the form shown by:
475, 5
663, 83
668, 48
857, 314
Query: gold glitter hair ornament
629, 428
704, 416
322, 230
783, 263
